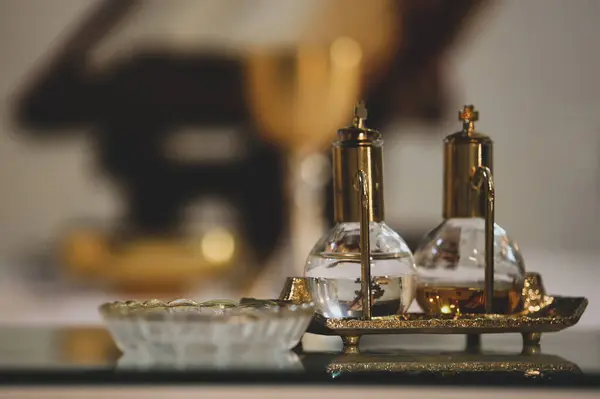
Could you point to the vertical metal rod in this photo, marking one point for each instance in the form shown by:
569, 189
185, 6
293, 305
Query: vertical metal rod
365, 245
483, 175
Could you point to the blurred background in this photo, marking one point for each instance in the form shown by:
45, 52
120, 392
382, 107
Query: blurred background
181, 148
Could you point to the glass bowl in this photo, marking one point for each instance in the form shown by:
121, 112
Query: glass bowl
171, 329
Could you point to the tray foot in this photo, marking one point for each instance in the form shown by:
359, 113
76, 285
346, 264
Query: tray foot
351, 343
531, 343
473, 343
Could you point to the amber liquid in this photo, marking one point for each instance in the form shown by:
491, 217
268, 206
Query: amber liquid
441, 300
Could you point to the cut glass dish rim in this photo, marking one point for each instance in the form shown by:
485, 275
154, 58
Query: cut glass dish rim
213, 309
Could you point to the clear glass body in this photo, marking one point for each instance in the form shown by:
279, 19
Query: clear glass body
451, 265
333, 272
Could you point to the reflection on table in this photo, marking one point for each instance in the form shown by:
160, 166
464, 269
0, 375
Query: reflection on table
443, 356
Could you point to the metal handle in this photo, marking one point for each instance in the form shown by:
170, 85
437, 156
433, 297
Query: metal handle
365, 244
483, 175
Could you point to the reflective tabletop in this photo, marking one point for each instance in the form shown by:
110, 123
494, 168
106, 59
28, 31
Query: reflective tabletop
87, 355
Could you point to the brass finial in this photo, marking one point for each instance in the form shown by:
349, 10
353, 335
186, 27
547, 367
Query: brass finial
468, 116
360, 115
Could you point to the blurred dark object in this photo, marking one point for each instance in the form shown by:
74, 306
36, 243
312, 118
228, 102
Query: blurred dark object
134, 107
414, 85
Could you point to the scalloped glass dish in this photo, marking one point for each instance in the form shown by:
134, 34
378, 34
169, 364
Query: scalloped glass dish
171, 329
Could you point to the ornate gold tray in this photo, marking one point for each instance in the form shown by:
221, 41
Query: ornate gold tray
540, 314
564, 312
454, 363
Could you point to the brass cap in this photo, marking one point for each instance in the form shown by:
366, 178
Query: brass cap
464, 152
358, 133
357, 148
468, 135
